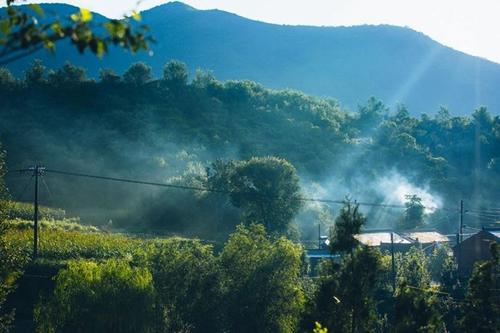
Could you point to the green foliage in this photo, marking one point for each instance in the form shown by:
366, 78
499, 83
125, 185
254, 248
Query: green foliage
371, 115
108, 76
175, 73
138, 74
25, 30
56, 244
413, 268
441, 262
71, 224
89, 297
414, 213
268, 191
243, 119
68, 74
319, 329
347, 224
416, 304
7, 81
36, 74
189, 287
24, 211
11, 262
261, 281
346, 298
482, 307
417, 310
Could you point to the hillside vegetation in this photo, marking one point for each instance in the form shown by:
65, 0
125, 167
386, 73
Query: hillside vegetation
171, 130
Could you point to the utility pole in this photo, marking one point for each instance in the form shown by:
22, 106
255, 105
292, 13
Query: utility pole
37, 171
461, 227
393, 265
319, 235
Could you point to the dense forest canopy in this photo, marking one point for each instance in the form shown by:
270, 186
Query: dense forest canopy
173, 129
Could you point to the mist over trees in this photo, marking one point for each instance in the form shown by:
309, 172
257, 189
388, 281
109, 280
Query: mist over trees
172, 129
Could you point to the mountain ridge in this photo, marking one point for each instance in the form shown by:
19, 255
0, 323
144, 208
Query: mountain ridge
396, 64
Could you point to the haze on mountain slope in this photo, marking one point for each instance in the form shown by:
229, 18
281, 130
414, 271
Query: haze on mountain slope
350, 64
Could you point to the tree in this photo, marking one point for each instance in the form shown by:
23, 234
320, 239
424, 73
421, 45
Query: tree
108, 76
347, 225
36, 74
268, 191
138, 74
371, 115
413, 268
345, 301
98, 297
417, 306
261, 281
414, 213
7, 81
204, 79
417, 310
11, 263
189, 287
482, 302
175, 73
68, 74
27, 29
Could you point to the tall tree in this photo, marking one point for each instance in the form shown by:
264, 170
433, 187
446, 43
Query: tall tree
261, 280
345, 300
138, 74
268, 191
482, 303
98, 297
175, 74
188, 282
347, 224
11, 262
416, 304
414, 213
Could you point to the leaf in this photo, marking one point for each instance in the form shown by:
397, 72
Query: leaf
56, 27
86, 15
136, 15
75, 17
4, 27
116, 29
49, 45
38, 9
101, 48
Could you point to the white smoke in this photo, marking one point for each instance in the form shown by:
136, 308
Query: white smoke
396, 187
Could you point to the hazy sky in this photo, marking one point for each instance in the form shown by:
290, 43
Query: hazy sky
469, 26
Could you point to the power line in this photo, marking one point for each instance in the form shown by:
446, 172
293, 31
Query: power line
214, 190
492, 210
485, 214
485, 217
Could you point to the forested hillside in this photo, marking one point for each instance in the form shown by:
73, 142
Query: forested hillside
171, 129
350, 64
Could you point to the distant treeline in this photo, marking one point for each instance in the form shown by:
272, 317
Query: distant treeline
157, 128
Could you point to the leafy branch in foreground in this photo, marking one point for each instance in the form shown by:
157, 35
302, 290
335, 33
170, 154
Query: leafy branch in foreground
27, 29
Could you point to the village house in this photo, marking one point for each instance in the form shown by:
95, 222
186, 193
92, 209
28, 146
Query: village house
474, 249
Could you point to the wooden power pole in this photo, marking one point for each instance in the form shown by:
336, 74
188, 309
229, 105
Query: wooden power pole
37, 172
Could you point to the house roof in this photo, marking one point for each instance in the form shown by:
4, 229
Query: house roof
426, 236
483, 234
495, 233
377, 238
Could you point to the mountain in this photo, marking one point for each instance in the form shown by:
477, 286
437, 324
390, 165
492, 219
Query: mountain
347, 63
